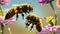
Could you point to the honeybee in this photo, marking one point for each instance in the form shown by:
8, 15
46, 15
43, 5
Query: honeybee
32, 19
20, 9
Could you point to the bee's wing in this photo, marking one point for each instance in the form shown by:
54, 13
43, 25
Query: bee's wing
9, 15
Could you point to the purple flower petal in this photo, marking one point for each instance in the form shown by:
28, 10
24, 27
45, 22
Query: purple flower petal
41, 1
54, 29
37, 33
11, 21
2, 20
58, 29
47, 29
44, 1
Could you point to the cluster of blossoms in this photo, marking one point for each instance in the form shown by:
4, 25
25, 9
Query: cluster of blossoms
50, 29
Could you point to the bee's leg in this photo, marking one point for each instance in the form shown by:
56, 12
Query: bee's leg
17, 16
22, 15
32, 27
27, 25
28, 12
25, 13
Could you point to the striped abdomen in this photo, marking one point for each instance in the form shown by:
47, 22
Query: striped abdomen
38, 27
10, 14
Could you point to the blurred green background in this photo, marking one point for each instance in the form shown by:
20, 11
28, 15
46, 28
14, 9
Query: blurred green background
39, 10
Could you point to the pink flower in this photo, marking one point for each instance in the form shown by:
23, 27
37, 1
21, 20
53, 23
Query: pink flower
2, 20
4, 1
44, 1
50, 29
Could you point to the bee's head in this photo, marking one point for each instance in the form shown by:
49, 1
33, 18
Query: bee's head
28, 17
30, 8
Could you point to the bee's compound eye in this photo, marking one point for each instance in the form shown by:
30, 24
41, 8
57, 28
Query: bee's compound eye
28, 17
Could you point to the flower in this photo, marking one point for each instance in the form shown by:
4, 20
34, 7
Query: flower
4, 2
44, 1
48, 19
2, 20
50, 29
58, 3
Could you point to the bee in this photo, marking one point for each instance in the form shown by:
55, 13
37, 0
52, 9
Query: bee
32, 19
20, 9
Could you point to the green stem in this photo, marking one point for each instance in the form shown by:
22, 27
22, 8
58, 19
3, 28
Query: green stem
2, 25
51, 24
1, 10
54, 13
2, 28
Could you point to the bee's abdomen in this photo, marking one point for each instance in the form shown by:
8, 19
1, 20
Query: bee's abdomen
10, 14
38, 27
